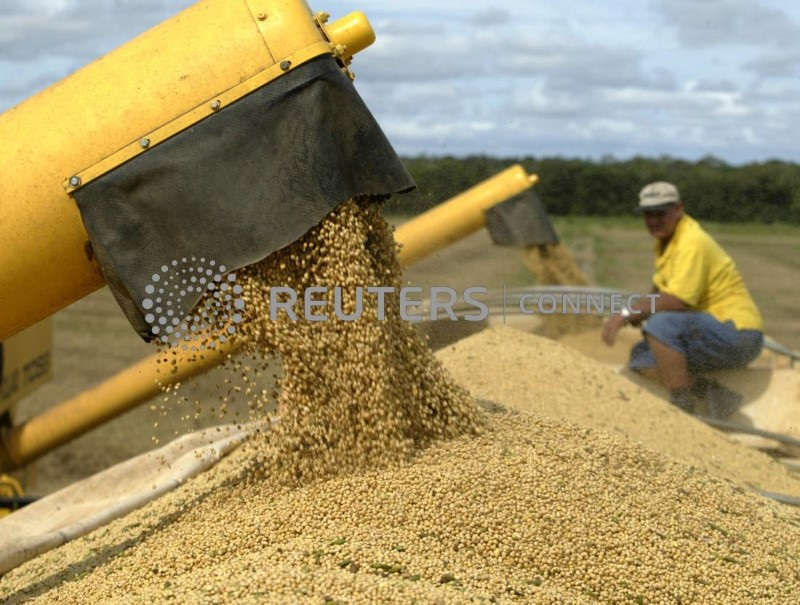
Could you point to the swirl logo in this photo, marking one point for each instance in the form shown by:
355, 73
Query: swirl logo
213, 319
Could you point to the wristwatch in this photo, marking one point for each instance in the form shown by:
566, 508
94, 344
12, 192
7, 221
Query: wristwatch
626, 314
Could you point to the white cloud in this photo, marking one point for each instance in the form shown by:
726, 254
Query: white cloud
783, 63
491, 16
729, 22
537, 101
650, 77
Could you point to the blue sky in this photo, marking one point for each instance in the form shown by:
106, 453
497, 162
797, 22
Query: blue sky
585, 78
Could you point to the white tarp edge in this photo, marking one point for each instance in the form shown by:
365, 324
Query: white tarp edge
87, 504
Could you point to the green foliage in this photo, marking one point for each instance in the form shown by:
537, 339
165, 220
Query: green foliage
765, 192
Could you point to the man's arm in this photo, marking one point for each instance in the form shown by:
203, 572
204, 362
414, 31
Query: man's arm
645, 308
640, 312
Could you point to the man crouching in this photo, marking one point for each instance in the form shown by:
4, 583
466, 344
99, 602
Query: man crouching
704, 319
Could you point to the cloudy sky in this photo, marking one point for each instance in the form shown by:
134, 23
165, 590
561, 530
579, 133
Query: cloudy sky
584, 78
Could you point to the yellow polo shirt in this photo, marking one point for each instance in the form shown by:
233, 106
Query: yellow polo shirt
694, 268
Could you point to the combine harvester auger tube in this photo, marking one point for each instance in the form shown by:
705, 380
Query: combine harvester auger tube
461, 215
418, 238
222, 116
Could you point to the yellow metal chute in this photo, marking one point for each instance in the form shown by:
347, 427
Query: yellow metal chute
459, 216
124, 105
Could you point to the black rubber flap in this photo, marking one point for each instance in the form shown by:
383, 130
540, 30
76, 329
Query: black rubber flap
520, 221
239, 185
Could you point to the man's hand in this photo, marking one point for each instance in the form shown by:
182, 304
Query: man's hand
639, 313
611, 328
637, 319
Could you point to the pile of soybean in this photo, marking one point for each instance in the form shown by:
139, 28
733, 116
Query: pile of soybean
383, 482
359, 387
547, 378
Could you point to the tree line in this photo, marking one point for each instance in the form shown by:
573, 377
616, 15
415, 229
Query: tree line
711, 189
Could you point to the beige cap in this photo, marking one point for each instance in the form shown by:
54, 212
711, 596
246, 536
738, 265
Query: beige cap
658, 196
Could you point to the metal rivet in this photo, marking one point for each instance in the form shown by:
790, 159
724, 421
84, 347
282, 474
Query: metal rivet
285, 65
215, 105
262, 16
144, 143
75, 181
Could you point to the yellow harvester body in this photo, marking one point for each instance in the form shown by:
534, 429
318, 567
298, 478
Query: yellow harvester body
118, 107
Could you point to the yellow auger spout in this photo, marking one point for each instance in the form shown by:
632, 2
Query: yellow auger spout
119, 107
459, 216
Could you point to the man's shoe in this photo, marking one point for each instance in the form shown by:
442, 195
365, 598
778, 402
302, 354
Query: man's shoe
683, 399
720, 401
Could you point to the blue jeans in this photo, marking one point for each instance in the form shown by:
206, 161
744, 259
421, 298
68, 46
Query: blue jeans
707, 343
